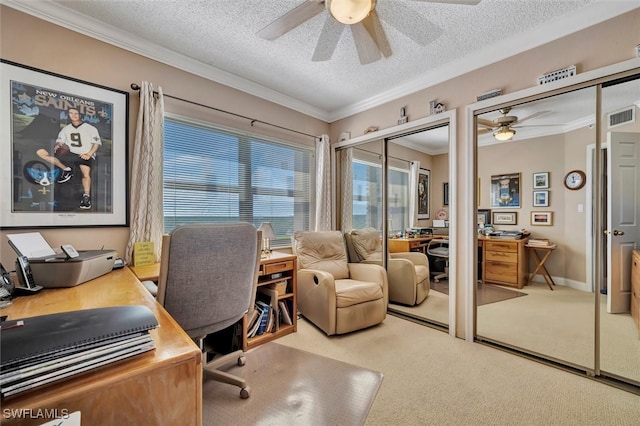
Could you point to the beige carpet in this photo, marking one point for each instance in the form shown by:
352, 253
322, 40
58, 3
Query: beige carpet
433, 379
291, 386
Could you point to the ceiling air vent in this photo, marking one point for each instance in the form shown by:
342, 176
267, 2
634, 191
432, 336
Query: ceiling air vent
624, 116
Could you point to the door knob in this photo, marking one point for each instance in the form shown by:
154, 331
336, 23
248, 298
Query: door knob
616, 232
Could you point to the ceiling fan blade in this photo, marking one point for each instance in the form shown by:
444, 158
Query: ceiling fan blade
534, 115
373, 25
292, 19
367, 48
485, 123
484, 131
328, 40
469, 2
396, 14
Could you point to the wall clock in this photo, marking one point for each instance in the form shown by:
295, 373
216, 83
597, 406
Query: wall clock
575, 179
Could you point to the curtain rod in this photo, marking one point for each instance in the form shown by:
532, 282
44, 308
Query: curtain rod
136, 87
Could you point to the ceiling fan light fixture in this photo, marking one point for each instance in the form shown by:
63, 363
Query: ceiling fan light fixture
504, 133
350, 12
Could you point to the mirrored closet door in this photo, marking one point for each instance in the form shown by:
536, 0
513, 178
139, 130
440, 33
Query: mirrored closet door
559, 191
377, 183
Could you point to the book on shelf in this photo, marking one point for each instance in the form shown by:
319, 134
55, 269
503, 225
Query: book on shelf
264, 318
284, 313
270, 296
254, 321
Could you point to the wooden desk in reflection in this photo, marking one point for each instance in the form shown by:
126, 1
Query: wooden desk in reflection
503, 261
403, 245
160, 387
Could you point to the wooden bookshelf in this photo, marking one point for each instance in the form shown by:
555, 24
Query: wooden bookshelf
276, 268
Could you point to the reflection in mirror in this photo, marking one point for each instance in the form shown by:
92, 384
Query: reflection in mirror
540, 295
522, 187
620, 300
412, 290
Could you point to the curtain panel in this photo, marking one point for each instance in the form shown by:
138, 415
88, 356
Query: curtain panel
146, 172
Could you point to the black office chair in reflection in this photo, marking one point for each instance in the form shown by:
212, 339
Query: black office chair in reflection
208, 277
439, 249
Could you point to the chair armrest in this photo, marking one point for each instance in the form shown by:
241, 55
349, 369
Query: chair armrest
317, 298
401, 271
371, 273
415, 257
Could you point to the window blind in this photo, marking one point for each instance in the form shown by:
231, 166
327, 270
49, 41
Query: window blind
214, 175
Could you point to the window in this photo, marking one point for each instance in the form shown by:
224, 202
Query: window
367, 196
214, 175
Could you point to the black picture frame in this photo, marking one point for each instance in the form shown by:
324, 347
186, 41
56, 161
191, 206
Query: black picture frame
445, 194
37, 109
483, 217
505, 190
424, 193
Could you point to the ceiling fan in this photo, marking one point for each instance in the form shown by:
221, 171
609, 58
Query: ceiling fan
361, 16
503, 127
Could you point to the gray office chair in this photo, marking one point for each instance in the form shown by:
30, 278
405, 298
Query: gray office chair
439, 248
208, 277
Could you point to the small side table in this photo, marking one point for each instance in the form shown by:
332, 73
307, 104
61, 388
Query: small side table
541, 269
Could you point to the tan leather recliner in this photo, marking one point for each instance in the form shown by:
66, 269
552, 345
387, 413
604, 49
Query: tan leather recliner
408, 273
335, 295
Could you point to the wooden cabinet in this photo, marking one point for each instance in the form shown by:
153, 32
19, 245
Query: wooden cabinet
276, 269
505, 262
635, 288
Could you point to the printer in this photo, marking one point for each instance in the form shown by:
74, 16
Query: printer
53, 270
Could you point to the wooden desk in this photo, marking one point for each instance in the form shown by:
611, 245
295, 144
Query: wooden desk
147, 272
540, 268
403, 245
160, 387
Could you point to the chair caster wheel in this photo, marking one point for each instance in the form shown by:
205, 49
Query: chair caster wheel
242, 361
245, 392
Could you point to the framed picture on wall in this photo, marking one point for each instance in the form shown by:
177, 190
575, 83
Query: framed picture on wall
541, 180
66, 149
542, 218
424, 184
504, 218
484, 217
445, 194
540, 198
505, 190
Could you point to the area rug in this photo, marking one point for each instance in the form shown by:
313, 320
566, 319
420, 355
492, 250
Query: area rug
487, 293
290, 386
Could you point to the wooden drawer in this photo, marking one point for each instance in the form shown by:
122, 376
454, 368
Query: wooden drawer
272, 268
501, 272
501, 256
505, 246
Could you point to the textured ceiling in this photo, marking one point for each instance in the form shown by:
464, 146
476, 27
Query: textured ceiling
217, 39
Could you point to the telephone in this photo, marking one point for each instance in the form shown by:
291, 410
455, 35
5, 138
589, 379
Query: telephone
25, 276
6, 284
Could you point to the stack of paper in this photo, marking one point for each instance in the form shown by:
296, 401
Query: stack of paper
44, 349
541, 242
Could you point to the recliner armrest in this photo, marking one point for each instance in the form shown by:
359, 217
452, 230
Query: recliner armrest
415, 257
317, 298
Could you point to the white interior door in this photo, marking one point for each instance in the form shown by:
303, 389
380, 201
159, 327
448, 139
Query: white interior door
623, 202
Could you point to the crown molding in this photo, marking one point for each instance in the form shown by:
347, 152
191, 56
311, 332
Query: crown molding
553, 30
74, 21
